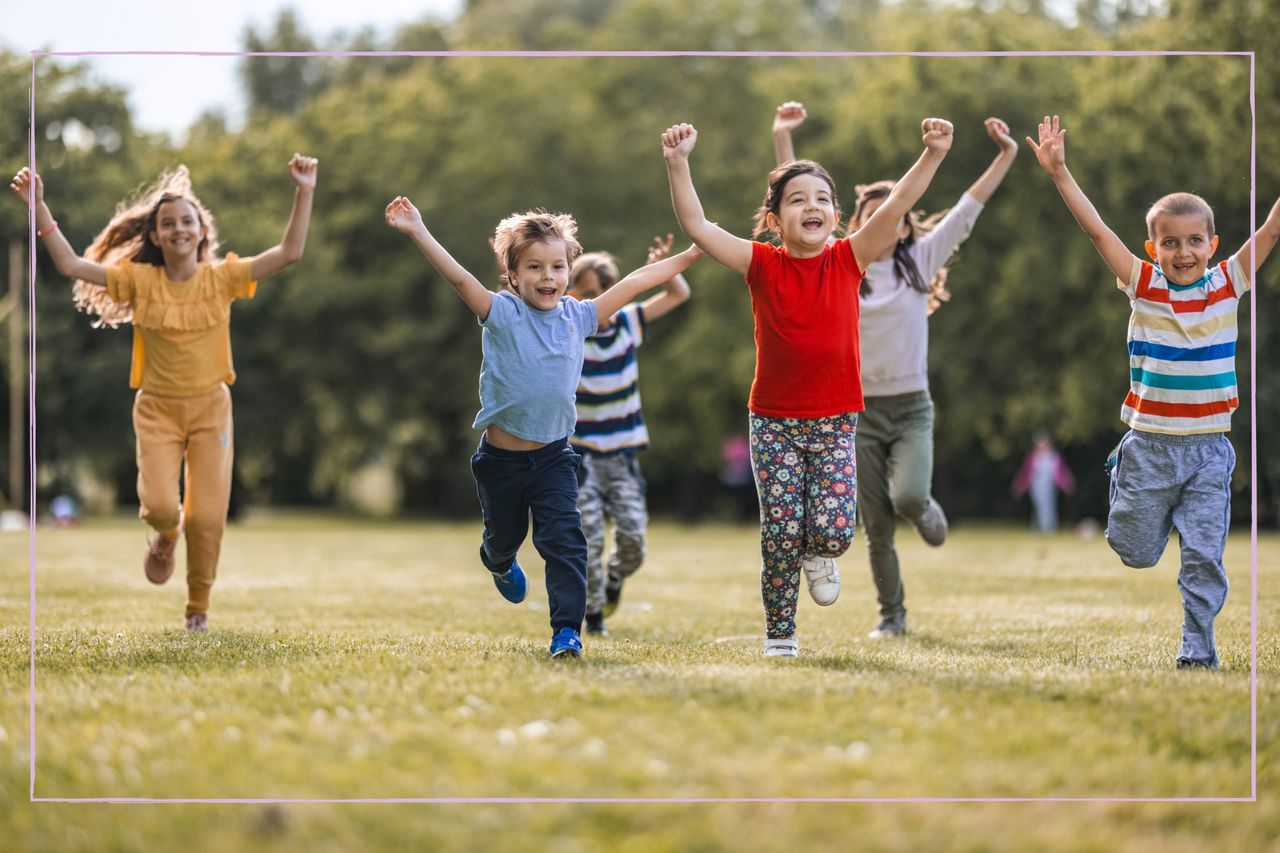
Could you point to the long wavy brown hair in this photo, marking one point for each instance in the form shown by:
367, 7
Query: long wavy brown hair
903, 264
128, 236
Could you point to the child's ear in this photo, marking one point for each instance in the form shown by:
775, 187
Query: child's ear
771, 222
1151, 249
1213, 245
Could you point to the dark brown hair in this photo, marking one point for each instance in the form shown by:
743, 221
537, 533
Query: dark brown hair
904, 265
777, 184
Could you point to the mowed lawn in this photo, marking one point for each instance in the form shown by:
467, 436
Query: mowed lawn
356, 660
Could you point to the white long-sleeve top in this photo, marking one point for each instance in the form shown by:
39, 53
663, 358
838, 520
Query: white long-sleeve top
894, 324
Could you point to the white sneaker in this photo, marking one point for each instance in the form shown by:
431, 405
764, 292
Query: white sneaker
785, 648
823, 578
932, 526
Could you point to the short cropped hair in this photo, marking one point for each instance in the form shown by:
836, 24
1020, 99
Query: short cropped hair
1179, 204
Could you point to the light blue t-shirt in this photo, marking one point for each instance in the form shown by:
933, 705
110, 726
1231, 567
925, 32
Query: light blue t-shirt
531, 367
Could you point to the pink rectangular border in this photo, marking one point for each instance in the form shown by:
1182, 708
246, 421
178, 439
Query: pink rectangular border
1253, 425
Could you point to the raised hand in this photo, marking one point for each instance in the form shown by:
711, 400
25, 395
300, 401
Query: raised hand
1052, 148
999, 132
937, 134
659, 249
402, 215
789, 116
24, 181
303, 170
678, 141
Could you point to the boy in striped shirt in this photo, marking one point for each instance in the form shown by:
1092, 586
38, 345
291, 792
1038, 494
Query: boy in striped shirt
611, 429
1173, 467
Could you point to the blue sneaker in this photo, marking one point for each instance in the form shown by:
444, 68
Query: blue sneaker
566, 642
512, 584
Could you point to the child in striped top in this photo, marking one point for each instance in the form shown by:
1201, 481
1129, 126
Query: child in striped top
611, 429
1172, 469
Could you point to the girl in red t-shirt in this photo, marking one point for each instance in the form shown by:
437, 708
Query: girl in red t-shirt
807, 391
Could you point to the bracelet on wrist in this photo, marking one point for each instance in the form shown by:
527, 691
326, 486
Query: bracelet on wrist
47, 231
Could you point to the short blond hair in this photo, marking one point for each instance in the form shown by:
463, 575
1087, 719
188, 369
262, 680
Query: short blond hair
1179, 204
520, 230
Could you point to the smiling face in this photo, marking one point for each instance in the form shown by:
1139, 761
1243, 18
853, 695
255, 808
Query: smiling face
541, 274
1182, 244
178, 230
806, 215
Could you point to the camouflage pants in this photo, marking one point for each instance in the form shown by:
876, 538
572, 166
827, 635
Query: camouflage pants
611, 487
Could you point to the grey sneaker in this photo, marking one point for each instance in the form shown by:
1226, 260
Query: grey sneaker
788, 647
823, 578
932, 526
890, 626
198, 622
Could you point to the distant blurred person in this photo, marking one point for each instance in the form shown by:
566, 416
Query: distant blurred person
1042, 474
735, 474
155, 265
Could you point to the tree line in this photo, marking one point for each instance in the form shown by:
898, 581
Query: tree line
358, 368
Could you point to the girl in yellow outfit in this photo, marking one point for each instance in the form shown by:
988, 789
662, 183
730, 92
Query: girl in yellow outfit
155, 265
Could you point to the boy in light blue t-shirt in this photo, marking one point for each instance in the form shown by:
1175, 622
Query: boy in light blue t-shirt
532, 359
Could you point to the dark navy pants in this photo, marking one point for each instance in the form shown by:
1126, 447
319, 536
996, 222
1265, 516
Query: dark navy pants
512, 486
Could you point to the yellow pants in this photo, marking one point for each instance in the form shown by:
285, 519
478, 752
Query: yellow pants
196, 430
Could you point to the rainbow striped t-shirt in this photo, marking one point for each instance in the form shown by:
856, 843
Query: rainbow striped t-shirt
1182, 349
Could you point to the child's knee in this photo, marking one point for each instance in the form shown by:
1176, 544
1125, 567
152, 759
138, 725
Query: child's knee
161, 518
911, 506
835, 542
629, 553
1140, 556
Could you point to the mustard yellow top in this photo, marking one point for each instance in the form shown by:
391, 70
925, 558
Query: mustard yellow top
181, 330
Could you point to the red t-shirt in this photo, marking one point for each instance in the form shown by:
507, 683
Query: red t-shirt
806, 313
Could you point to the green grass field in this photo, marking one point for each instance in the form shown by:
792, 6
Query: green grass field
352, 660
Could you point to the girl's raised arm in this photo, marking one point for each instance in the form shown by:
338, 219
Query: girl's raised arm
635, 283
289, 250
1051, 152
987, 182
27, 184
733, 252
404, 217
879, 231
789, 116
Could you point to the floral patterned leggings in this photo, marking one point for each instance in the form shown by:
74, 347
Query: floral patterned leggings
806, 476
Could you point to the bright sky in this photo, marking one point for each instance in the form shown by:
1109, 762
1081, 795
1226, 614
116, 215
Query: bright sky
168, 93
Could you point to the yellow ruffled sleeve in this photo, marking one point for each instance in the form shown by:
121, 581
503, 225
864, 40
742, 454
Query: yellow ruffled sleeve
236, 277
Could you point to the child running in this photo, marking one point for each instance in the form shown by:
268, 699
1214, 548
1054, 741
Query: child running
531, 343
900, 288
807, 393
1172, 469
611, 430
155, 265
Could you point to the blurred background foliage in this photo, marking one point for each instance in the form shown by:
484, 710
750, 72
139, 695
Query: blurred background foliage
358, 367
